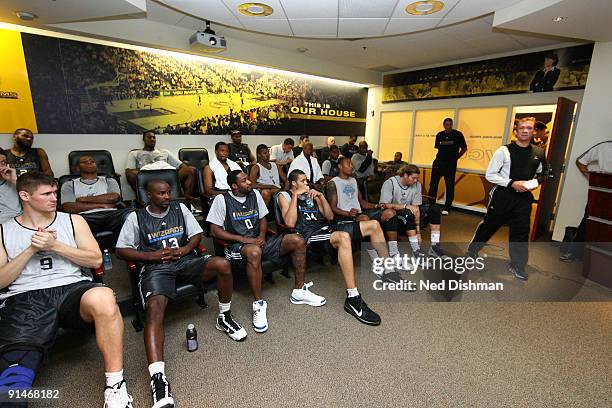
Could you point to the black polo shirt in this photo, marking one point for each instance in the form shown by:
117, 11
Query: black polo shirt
449, 145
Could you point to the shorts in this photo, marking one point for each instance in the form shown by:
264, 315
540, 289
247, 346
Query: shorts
161, 278
270, 251
324, 234
31, 319
428, 213
376, 214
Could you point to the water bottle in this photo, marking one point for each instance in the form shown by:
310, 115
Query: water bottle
107, 261
192, 338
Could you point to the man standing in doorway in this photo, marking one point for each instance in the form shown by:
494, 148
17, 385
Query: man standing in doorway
451, 146
516, 169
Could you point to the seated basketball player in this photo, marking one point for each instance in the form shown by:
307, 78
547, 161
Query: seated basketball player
266, 176
308, 211
151, 158
164, 236
42, 288
347, 203
215, 173
403, 193
96, 198
239, 218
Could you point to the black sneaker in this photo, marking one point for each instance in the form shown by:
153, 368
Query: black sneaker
437, 252
355, 306
160, 389
395, 277
392, 277
226, 323
518, 273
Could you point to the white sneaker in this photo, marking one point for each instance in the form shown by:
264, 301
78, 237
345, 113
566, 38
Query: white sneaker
226, 323
306, 297
117, 396
260, 320
444, 212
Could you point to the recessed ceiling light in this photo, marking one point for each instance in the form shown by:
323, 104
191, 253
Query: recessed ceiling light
26, 15
423, 8
559, 19
255, 9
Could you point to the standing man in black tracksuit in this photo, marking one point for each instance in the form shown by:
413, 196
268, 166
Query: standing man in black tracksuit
513, 169
451, 146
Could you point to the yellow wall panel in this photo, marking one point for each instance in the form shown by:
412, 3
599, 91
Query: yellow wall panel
395, 128
483, 129
16, 108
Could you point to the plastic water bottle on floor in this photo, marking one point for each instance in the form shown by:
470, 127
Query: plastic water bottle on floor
107, 260
192, 338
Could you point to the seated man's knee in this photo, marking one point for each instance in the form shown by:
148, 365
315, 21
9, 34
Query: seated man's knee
388, 213
220, 265
252, 253
362, 217
344, 239
296, 242
100, 302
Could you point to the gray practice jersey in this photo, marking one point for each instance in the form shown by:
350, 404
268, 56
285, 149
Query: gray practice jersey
347, 193
76, 188
138, 158
9, 202
218, 209
46, 269
129, 237
393, 192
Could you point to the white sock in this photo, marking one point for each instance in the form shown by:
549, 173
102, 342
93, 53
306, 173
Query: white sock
113, 378
373, 254
352, 292
224, 307
414, 243
157, 367
435, 237
393, 248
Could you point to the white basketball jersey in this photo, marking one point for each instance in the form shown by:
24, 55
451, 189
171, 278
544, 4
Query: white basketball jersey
269, 177
45, 269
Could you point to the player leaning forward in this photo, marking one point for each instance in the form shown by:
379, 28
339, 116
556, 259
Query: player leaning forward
43, 288
516, 169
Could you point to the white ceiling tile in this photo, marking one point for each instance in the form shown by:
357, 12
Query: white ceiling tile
197, 24
213, 10
400, 9
310, 8
318, 27
475, 8
403, 25
366, 8
360, 27
280, 27
162, 14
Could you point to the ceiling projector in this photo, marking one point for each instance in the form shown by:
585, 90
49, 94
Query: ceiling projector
207, 41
